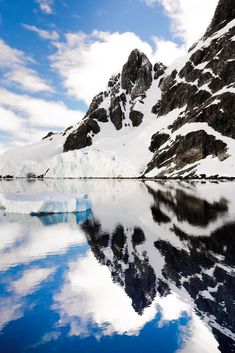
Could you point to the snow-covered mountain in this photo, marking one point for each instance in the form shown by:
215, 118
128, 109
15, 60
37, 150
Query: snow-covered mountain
151, 121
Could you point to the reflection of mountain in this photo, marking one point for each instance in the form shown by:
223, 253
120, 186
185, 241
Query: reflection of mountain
194, 210
199, 266
127, 267
205, 272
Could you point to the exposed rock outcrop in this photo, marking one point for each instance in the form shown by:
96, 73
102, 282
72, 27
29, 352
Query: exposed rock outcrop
135, 79
204, 90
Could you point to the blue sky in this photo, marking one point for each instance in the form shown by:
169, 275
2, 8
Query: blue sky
57, 54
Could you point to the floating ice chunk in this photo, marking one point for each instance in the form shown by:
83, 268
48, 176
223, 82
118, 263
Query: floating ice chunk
44, 203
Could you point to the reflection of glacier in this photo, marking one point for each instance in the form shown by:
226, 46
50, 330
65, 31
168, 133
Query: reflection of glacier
158, 252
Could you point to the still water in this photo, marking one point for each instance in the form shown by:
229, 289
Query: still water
150, 268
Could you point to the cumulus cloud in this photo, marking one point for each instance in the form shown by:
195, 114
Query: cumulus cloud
50, 35
26, 119
14, 65
86, 62
167, 51
189, 19
46, 6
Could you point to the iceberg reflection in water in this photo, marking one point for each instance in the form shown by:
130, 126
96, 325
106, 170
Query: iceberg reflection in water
149, 268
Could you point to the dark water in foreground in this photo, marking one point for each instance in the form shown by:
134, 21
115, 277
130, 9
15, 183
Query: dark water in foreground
149, 269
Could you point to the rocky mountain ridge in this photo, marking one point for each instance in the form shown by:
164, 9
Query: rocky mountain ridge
151, 121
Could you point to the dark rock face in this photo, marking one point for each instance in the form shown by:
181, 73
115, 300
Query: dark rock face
188, 149
95, 103
224, 13
99, 114
136, 117
135, 79
157, 141
136, 74
48, 135
81, 138
203, 88
219, 115
116, 113
159, 70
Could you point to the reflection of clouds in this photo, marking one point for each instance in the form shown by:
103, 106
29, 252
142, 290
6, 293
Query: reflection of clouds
9, 234
89, 296
48, 337
12, 307
172, 307
36, 243
20, 243
199, 338
30, 280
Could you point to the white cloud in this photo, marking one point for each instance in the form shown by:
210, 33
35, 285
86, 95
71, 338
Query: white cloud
13, 63
86, 62
189, 19
28, 80
167, 51
53, 35
39, 112
24, 118
28, 119
46, 6
11, 56
10, 122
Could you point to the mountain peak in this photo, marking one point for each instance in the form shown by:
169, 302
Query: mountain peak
224, 13
136, 74
151, 121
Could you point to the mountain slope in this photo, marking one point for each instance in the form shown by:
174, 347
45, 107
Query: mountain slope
151, 121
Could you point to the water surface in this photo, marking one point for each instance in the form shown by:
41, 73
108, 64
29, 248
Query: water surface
150, 268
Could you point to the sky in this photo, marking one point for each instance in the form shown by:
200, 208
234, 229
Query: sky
57, 54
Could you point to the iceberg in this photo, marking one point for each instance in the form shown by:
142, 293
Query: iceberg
44, 203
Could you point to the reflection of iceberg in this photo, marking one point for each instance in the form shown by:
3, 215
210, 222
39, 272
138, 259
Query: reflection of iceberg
50, 219
44, 203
